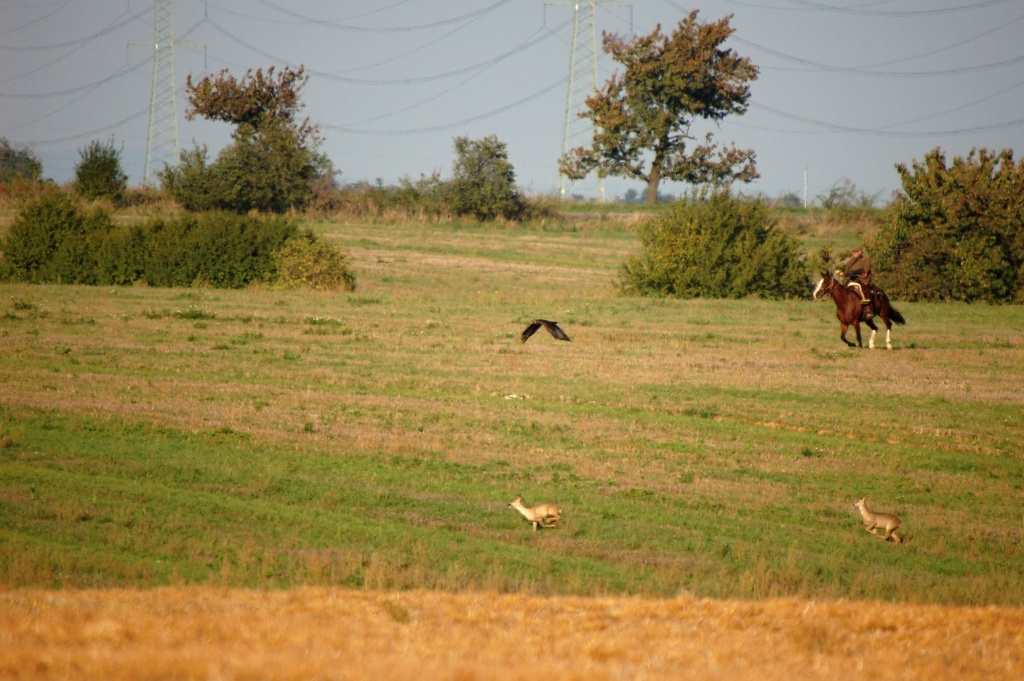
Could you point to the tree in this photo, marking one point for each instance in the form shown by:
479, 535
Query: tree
483, 181
98, 173
273, 163
955, 231
643, 119
18, 163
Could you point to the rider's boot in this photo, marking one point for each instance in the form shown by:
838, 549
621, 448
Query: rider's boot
866, 311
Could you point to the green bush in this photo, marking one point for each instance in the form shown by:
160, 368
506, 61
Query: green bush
223, 250
53, 240
483, 182
715, 245
18, 164
955, 232
192, 182
307, 260
121, 258
98, 174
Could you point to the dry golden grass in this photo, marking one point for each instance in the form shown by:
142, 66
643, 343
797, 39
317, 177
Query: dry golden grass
316, 633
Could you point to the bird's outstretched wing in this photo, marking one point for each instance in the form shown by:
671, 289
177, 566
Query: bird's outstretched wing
553, 328
529, 331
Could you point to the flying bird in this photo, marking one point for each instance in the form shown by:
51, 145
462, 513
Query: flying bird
552, 328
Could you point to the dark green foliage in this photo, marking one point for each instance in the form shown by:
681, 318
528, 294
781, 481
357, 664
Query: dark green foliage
222, 250
270, 170
98, 174
121, 259
308, 260
483, 181
955, 233
716, 246
52, 239
18, 164
192, 183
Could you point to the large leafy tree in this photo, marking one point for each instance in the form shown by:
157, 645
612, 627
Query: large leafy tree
644, 117
955, 232
273, 163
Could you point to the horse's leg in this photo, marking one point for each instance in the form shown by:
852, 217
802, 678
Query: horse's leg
856, 327
843, 326
874, 330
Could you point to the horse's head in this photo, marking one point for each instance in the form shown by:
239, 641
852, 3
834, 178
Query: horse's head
824, 286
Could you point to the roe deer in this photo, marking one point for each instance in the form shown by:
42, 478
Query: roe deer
543, 515
883, 521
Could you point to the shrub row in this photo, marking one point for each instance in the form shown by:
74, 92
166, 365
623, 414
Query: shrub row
54, 240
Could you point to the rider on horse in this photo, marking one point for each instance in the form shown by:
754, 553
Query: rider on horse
858, 269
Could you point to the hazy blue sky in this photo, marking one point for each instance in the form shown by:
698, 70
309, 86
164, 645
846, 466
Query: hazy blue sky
847, 89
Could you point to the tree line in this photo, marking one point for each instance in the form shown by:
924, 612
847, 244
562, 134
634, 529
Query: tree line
953, 232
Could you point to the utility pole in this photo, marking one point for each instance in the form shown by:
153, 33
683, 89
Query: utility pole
162, 139
582, 78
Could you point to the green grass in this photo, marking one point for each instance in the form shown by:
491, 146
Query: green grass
373, 439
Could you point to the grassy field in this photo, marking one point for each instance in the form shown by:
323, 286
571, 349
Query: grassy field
371, 440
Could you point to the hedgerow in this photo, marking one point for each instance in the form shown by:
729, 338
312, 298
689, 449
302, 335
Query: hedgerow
55, 240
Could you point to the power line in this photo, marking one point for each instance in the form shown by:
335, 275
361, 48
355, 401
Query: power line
830, 127
453, 124
867, 69
18, 29
936, 11
335, 24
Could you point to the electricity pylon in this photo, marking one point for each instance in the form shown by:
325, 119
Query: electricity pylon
162, 139
582, 79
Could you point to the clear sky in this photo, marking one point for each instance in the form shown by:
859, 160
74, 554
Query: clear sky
848, 88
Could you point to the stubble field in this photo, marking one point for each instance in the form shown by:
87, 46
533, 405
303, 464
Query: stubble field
259, 483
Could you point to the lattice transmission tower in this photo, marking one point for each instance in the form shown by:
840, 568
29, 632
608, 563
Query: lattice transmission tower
582, 79
162, 139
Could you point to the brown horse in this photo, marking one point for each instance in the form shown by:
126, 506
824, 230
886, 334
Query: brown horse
850, 312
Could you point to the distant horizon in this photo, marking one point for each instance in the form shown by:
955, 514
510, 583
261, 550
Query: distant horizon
844, 93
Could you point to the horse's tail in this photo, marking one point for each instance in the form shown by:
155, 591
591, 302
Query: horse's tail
895, 315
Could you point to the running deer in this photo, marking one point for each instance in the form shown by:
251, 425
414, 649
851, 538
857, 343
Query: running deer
542, 515
882, 521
